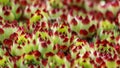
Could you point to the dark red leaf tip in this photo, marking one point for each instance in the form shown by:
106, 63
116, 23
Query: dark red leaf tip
92, 28
86, 20
83, 32
74, 22
1, 31
8, 42
44, 62
7, 13
13, 36
44, 44
37, 53
49, 54
86, 55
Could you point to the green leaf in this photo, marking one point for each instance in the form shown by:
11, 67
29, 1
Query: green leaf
4, 2
111, 64
35, 18
29, 57
7, 33
27, 48
106, 25
21, 39
2, 61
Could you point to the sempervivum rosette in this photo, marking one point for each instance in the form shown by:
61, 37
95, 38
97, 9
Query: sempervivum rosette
10, 13
112, 6
51, 40
106, 54
29, 11
84, 26
25, 43
109, 9
107, 32
81, 52
37, 20
79, 48
31, 58
6, 13
6, 30
26, 49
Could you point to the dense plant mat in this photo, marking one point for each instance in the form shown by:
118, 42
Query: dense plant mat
59, 33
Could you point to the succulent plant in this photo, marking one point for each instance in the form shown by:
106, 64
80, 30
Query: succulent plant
84, 27
6, 32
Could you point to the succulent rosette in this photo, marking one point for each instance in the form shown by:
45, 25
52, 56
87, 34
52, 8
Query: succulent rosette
84, 26
82, 53
112, 6
107, 32
110, 9
6, 30
10, 13
6, 13
105, 54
